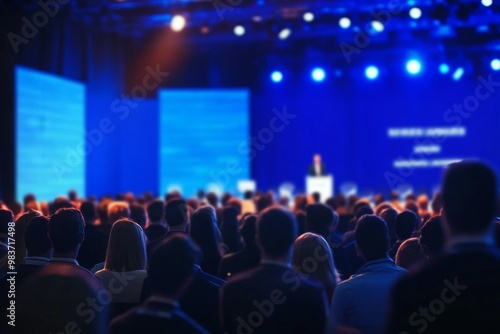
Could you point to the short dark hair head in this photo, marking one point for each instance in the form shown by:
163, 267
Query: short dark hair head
212, 199
389, 216
88, 211
372, 237
36, 236
406, 223
66, 229
432, 235
277, 231
156, 210
172, 263
6, 217
176, 212
469, 197
248, 194
138, 214
319, 219
248, 229
362, 209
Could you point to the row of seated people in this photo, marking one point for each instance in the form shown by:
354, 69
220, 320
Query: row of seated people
290, 272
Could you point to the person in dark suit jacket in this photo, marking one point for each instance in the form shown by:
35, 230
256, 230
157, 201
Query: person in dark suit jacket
170, 272
317, 168
93, 250
156, 223
177, 217
272, 298
458, 292
245, 259
38, 247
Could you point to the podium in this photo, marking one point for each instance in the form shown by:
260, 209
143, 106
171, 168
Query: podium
320, 184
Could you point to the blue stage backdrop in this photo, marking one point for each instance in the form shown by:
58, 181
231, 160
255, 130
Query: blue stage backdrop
203, 139
384, 134
50, 130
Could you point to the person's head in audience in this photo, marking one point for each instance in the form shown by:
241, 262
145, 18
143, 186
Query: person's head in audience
378, 199
176, 214
172, 195
437, 203
192, 203
284, 201
235, 203
230, 229
129, 198
432, 236
389, 216
248, 230
406, 223
351, 201
29, 198
372, 238
171, 266
316, 197
423, 202
212, 199
205, 233
410, 253
51, 301
66, 232
59, 203
361, 210
20, 227
381, 207
276, 233
32, 206
225, 198
72, 196
138, 214
126, 247
36, 237
88, 211
102, 211
312, 257
332, 203
16, 208
341, 201
6, 217
319, 219
300, 203
411, 206
469, 198
200, 194
301, 218
156, 211
248, 195
410, 198
263, 202
118, 210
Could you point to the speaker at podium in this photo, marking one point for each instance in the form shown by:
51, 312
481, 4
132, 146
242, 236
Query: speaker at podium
323, 185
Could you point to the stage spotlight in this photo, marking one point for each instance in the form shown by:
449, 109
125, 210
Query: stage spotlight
318, 74
178, 23
495, 64
371, 72
377, 26
308, 17
487, 3
276, 76
415, 13
444, 68
413, 67
239, 30
459, 72
284, 33
345, 22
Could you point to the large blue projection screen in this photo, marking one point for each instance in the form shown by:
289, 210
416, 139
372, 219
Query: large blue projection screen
203, 138
50, 129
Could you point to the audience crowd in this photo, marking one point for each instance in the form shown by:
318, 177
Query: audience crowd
258, 264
